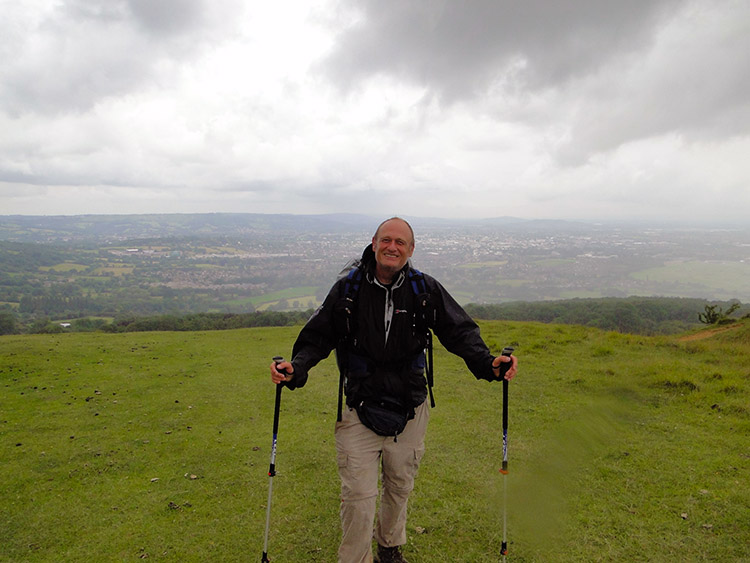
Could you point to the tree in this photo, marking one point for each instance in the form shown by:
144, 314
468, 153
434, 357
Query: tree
8, 323
711, 316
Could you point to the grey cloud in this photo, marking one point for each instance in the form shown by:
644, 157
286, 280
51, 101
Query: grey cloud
81, 51
458, 49
168, 16
162, 17
603, 72
694, 84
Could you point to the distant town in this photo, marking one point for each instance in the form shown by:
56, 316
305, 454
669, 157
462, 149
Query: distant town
239, 263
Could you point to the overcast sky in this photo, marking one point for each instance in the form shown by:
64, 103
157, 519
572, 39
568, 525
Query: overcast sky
578, 109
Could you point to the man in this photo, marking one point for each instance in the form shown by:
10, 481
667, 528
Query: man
380, 338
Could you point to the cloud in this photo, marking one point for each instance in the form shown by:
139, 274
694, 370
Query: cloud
480, 108
168, 17
595, 73
69, 56
460, 49
692, 83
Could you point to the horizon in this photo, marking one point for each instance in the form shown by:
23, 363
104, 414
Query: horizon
710, 223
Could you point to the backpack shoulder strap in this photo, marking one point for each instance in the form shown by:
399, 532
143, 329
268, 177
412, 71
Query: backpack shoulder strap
416, 278
347, 312
352, 283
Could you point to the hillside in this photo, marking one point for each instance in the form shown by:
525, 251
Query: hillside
127, 446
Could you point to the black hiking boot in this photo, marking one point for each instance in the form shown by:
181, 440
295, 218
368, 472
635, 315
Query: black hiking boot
389, 555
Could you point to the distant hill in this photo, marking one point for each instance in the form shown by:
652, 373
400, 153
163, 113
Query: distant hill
27, 228
43, 228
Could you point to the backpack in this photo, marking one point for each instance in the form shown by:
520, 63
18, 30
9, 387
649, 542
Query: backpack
424, 319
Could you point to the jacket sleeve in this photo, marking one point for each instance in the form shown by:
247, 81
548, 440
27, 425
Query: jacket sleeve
316, 339
458, 332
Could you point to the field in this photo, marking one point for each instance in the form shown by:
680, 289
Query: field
120, 447
718, 277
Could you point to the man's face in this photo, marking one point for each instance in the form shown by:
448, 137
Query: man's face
393, 245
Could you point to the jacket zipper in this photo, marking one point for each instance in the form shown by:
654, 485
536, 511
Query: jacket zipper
388, 313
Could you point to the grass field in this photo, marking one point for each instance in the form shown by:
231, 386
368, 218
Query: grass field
65, 267
729, 280
294, 298
119, 447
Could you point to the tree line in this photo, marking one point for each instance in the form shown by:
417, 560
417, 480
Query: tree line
635, 315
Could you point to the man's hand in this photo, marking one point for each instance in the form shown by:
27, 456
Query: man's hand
512, 370
278, 377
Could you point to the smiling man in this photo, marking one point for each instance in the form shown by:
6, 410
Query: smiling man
378, 319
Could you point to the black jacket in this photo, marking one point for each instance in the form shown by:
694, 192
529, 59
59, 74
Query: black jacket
398, 360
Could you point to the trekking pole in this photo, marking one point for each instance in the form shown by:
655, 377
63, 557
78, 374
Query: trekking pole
507, 351
272, 467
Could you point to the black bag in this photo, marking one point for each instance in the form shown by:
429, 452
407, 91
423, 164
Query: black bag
385, 416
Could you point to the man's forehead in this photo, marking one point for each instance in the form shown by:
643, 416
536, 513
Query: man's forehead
395, 227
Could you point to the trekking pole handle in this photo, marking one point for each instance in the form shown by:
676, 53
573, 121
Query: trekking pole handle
505, 366
276, 410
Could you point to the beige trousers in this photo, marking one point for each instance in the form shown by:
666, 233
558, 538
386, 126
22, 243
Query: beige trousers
361, 456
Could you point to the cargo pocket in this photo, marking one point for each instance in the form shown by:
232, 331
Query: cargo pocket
342, 459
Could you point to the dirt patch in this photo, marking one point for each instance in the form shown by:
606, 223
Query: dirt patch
709, 332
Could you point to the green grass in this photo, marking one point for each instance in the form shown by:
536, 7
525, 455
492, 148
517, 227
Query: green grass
622, 448
65, 267
729, 279
296, 297
290, 293
303, 302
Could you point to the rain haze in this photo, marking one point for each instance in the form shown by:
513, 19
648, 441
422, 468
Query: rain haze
588, 109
